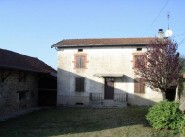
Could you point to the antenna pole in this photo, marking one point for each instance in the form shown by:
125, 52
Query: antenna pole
168, 16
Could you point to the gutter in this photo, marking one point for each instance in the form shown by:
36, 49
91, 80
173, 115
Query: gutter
57, 47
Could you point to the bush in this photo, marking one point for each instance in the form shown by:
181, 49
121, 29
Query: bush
166, 115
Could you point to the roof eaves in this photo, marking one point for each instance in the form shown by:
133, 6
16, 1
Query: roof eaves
97, 45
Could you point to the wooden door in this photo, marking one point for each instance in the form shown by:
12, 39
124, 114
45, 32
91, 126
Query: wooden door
109, 88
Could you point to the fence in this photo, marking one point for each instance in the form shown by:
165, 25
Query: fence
118, 97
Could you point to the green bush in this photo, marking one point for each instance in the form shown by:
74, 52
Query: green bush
166, 115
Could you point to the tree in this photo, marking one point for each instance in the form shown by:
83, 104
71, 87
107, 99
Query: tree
161, 65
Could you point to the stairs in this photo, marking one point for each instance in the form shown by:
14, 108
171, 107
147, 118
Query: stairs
108, 104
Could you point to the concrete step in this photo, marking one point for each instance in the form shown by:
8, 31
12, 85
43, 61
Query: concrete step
108, 104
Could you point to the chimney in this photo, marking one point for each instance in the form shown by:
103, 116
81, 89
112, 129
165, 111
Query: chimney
160, 33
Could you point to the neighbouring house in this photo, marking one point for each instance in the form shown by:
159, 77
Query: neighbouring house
182, 97
25, 82
100, 72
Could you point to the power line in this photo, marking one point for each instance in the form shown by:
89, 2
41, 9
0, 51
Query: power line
157, 16
179, 35
182, 41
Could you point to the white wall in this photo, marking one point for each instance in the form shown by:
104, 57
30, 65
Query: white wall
117, 60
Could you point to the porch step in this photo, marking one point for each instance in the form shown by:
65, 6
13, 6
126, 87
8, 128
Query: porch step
108, 104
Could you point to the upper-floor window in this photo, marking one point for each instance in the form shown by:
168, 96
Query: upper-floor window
139, 49
80, 50
80, 61
139, 60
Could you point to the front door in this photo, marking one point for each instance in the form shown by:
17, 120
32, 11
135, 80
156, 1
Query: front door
109, 88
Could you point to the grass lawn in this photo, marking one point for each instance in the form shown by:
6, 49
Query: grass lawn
81, 122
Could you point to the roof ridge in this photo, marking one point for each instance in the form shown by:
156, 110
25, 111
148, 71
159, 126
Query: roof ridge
109, 38
102, 42
24, 62
17, 53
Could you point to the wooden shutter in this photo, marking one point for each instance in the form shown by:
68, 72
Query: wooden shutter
142, 85
80, 61
79, 84
83, 58
139, 60
139, 85
136, 60
136, 85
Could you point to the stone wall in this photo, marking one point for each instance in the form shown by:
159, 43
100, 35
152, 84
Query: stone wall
18, 91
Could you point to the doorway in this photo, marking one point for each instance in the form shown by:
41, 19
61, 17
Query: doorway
109, 88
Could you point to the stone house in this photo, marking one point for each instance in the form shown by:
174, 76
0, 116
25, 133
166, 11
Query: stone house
100, 72
21, 82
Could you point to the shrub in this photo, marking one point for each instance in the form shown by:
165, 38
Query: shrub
166, 115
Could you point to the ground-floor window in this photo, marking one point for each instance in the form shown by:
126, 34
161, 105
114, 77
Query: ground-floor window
139, 85
22, 94
79, 84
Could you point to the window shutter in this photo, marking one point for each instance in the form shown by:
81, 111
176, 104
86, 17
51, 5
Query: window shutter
139, 60
80, 61
136, 85
139, 85
136, 58
142, 85
82, 84
79, 84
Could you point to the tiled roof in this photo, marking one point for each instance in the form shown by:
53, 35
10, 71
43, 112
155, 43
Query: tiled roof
12, 60
102, 42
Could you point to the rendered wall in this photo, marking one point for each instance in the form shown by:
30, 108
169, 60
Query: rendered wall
100, 61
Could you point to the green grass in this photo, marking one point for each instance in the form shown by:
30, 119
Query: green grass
79, 122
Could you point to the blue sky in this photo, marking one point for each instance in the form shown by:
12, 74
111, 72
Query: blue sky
30, 27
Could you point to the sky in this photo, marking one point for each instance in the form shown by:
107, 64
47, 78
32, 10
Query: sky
30, 27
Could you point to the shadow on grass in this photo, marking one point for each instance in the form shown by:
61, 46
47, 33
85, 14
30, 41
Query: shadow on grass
62, 121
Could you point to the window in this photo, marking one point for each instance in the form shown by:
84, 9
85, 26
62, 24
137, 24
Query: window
22, 94
79, 84
139, 49
139, 60
22, 77
139, 85
80, 50
80, 61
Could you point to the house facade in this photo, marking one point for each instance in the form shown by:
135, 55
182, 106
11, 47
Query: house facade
100, 72
21, 79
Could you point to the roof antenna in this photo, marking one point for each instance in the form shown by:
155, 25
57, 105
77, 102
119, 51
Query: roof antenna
168, 17
168, 32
